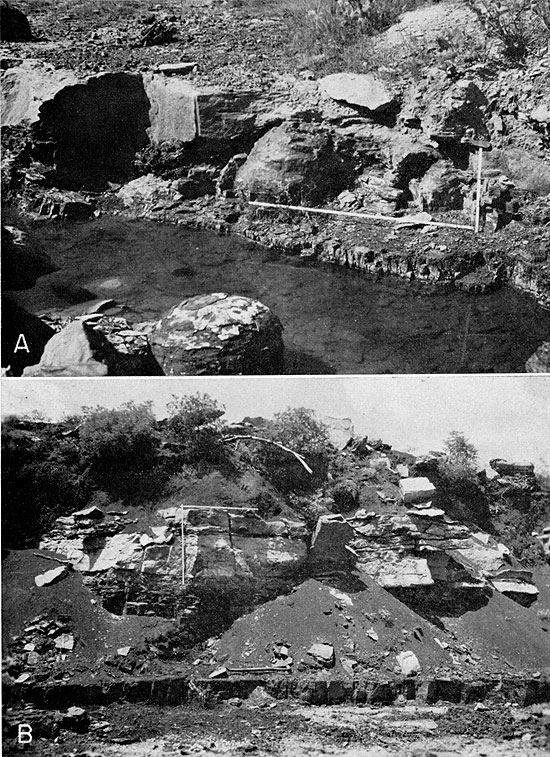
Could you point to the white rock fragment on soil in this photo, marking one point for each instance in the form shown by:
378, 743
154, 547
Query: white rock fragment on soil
416, 489
364, 90
323, 653
371, 633
65, 641
123, 651
408, 662
51, 576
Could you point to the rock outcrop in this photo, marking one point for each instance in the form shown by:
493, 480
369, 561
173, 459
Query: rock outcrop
91, 129
225, 547
363, 90
77, 350
218, 334
293, 163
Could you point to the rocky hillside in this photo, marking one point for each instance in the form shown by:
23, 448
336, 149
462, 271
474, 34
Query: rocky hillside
219, 565
186, 116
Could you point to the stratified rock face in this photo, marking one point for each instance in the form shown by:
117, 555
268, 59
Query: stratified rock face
225, 545
218, 334
425, 547
94, 127
512, 469
293, 163
364, 90
539, 362
459, 111
442, 187
77, 350
27, 86
14, 25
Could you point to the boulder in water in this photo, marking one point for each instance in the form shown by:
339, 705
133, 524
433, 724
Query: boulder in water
218, 334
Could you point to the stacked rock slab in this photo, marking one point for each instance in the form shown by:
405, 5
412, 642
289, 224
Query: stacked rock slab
423, 547
177, 551
218, 334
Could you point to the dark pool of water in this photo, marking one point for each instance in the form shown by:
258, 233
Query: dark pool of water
335, 320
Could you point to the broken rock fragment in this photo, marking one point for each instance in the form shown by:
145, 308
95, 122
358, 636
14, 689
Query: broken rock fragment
364, 90
416, 489
51, 576
408, 663
323, 654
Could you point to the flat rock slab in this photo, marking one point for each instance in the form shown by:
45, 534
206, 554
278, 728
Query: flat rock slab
364, 90
417, 489
51, 576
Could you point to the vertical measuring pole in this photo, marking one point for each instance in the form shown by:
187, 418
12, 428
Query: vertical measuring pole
182, 550
478, 190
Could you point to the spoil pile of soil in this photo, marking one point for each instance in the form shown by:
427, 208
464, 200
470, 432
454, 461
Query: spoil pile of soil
503, 628
96, 632
368, 628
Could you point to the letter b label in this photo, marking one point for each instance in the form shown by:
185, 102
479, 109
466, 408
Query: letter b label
24, 733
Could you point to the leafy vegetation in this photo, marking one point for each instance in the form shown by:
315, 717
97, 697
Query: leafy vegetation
334, 34
194, 424
522, 26
298, 430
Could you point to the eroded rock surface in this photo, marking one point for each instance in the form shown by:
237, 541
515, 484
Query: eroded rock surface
218, 334
293, 163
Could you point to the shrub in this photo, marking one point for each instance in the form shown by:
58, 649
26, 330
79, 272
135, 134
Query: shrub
461, 458
300, 431
522, 26
120, 447
336, 31
459, 489
194, 425
41, 481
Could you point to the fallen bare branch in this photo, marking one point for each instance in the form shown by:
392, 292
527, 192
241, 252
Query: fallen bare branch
270, 441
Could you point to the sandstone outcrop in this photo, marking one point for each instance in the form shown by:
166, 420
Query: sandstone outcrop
363, 90
92, 128
226, 546
293, 163
218, 334
77, 350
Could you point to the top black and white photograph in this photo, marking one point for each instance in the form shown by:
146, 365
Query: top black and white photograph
275, 187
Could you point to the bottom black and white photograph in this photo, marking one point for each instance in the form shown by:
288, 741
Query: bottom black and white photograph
352, 566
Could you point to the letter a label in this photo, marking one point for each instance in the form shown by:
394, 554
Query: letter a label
21, 344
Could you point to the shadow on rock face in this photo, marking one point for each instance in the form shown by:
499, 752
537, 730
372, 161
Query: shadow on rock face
14, 25
95, 130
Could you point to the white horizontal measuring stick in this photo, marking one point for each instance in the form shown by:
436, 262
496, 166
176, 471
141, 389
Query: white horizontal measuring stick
348, 214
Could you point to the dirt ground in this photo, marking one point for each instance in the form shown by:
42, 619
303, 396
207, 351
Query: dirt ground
286, 729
